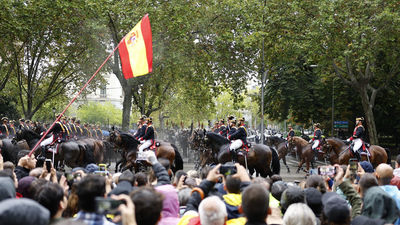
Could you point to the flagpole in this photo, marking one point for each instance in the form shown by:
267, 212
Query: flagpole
72, 101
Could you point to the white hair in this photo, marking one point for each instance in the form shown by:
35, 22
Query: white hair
299, 214
212, 211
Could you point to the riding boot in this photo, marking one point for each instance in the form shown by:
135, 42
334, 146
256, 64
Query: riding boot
233, 155
358, 156
43, 153
315, 154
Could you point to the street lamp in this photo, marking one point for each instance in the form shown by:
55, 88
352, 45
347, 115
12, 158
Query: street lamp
263, 81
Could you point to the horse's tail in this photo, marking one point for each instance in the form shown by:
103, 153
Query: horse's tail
178, 161
275, 165
389, 156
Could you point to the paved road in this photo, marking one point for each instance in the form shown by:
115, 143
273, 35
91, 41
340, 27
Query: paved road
288, 177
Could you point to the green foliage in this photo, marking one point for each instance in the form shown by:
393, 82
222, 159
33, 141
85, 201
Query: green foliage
103, 113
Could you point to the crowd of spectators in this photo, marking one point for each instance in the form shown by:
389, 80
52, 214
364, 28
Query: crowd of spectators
34, 194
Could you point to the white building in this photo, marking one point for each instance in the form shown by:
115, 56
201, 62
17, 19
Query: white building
111, 92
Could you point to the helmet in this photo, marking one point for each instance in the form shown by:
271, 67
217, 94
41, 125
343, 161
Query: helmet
142, 118
231, 117
360, 119
4, 119
222, 121
149, 119
317, 125
241, 119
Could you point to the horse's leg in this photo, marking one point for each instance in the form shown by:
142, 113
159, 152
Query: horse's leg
284, 162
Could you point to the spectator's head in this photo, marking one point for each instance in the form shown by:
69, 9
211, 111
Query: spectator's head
9, 173
364, 220
276, 178
314, 200
36, 172
24, 186
35, 186
263, 181
255, 202
299, 214
9, 165
212, 211
316, 182
27, 162
7, 188
398, 161
140, 179
178, 175
336, 210
23, 211
148, 205
90, 187
52, 197
193, 174
232, 185
367, 181
204, 172
384, 174
367, 166
290, 196
127, 175
91, 168
184, 195
277, 189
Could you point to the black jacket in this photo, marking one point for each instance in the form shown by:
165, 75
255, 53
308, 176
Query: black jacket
149, 133
359, 132
240, 133
161, 174
21, 172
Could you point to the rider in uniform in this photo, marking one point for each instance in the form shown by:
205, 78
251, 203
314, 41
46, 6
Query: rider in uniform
232, 125
215, 127
79, 131
358, 137
86, 131
4, 128
230, 118
99, 132
141, 127
222, 128
239, 138
59, 132
290, 135
22, 124
12, 128
316, 140
148, 139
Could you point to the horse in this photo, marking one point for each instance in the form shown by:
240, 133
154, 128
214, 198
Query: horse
129, 146
9, 149
260, 157
283, 150
304, 152
71, 153
340, 153
274, 141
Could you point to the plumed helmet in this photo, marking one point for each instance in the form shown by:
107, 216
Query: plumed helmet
360, 119
241, 119
4, 119
231, 117
21, 120
142, 118
149, 119
317, 125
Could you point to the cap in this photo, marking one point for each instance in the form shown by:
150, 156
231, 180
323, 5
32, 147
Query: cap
367, 166
90, 168
335, 207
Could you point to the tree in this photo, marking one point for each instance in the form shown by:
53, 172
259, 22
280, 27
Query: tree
49, 50
103, 113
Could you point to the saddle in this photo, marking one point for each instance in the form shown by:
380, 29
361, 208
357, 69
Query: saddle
244, 149
364, 149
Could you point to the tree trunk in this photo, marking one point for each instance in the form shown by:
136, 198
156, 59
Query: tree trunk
369, 115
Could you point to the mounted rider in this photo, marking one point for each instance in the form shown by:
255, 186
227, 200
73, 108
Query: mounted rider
232, 125
148, 138
289, 136
358, 138
141, 127
215, 127
239, 139
317, 139
4, 128
22, 124
223, 130
230, 118
59, 134
99, 132
86, 131
79, 131
12, 128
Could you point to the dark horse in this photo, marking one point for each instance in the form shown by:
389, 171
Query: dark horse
259, 158
340, 153
283, 150
71, 153
129, 146
10, 148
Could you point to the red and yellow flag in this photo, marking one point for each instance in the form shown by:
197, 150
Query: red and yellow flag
136, 50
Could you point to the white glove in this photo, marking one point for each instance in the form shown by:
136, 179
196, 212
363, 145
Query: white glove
310, 141
348, 140
141, 142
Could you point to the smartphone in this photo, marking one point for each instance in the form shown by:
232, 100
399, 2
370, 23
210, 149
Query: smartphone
107, 205
227, 169
327, 171
101, 172
48, 165
353, 163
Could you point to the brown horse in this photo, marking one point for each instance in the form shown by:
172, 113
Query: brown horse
304, 152
340, 153
129, 146
260, 158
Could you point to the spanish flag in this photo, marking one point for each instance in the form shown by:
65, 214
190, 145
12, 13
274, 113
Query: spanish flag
136, 50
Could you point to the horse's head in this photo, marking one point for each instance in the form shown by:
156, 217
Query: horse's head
197, 139
326, 146
114, 137
19, 135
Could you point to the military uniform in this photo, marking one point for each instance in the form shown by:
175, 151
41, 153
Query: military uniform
148, 138
4, 128
59, 133
358, 138
239, 138
316, 140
